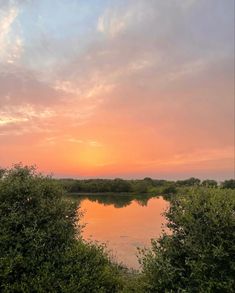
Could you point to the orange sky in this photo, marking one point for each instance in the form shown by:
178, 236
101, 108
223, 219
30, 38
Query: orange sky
127, 89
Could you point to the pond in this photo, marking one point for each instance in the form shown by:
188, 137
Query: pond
123, 222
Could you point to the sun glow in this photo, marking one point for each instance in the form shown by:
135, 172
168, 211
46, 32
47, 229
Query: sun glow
92, 157
98, 92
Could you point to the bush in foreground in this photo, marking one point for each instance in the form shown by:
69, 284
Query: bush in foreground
198, 256
40, 248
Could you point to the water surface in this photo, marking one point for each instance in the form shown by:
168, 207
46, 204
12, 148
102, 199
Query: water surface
123, 223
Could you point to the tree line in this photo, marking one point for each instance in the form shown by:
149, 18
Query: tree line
146, 185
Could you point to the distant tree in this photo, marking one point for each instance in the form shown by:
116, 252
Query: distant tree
149, 181
229, 184
159, 182
198, 254
171, 189
140, 186
209, 183
120, 185
2, 171
189, 182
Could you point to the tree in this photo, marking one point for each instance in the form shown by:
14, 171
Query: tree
198, 254
189, 182
229, 184
169, 190
209, 183
120, 185
40, 246
2, 171
149, 181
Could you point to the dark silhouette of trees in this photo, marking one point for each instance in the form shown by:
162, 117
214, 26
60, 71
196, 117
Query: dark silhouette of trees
209, 183
229, 184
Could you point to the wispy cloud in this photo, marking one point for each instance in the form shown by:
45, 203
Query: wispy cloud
75, 140
112, 23
118, 81
11, 43
91, 143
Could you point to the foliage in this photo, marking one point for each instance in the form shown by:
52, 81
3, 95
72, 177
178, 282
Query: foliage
39, 246
86, 267
96, 185
198, 255
209, 183
171, 189
132, 282
2, 171
229, 184
189, 182
41, 249
147, 185
140, 186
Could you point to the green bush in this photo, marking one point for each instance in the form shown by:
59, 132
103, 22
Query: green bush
40, 248
198, 254
87, 267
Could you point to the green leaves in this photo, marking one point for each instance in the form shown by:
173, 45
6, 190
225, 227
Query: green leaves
39, 250
198, 255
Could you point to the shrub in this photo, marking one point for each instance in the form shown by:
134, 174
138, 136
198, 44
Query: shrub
198, 254
40, 247
87, 267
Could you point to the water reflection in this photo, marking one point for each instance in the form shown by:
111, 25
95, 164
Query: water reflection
123, 222
117, 200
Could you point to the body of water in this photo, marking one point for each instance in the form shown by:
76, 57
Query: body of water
123, 223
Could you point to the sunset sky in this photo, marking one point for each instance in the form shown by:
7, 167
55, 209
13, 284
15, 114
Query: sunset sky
118, 88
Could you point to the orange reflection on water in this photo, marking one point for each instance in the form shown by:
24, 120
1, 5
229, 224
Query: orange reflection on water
124, 228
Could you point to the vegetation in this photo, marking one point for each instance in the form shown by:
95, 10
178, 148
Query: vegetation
209, 183
229, 184
146, 185
198, 254
41, 248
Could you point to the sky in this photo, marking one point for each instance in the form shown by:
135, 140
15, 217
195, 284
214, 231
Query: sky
118, 88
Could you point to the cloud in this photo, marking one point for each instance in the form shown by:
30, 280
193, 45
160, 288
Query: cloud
75, 140
19, 86
11, 43
9, 120
91, 143
94, 143
112, 24
142, 79
23, 119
